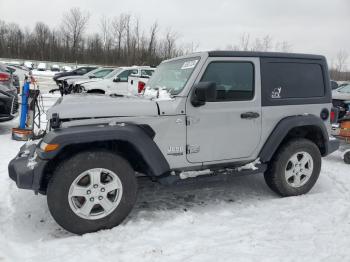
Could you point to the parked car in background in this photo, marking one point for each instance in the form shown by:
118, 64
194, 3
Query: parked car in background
137, 83
21, 67
66, 83
77, 85
334, 85
342, 93
29, 65
341, 100
66, 68
41, 67
116, 85
343, 83
55, 68
8, 78
79, 71
8, 102
15, 77
8, 94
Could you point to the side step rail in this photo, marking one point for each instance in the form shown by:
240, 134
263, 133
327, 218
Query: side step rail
209, 175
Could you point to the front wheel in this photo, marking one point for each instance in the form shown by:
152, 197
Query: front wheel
92, 191
294, 168
347, 157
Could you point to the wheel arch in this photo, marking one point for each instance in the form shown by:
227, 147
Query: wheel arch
132, 142
306, 126
95, 91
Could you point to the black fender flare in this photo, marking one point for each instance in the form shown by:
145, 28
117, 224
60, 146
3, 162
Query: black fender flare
284, 127
138, 136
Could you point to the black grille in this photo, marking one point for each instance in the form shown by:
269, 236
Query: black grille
15, 105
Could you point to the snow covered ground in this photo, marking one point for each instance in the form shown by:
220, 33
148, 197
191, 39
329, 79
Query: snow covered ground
235, 220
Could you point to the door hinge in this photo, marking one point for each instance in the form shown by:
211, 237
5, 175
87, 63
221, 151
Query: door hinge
192, 149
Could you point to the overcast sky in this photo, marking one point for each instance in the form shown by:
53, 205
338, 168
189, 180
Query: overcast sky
310, 26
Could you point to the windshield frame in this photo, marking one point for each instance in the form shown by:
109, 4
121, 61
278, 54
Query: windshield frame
178, 59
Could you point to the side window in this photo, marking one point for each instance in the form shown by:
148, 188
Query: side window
234, 80
146, 73
293, 80
81, 71
123, 76
102, 73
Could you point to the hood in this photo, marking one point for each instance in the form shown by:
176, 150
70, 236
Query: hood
104, 83
85, 81
340, 95
72, 77
62, 74
91, 106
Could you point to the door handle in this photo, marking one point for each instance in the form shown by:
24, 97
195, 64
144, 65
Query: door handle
250, 115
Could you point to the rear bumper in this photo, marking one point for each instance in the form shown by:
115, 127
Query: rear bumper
26, 169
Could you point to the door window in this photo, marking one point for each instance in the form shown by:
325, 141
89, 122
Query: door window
146, 73
234, 80
123, 76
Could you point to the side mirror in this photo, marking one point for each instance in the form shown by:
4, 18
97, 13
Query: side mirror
92, 76
117, 79
203, 92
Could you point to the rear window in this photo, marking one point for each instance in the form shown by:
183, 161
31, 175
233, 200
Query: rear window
293, 80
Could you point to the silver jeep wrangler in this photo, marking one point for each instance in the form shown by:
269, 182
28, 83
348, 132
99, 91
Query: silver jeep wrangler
203, 115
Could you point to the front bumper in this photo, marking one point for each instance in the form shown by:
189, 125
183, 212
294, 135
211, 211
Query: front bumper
27, 169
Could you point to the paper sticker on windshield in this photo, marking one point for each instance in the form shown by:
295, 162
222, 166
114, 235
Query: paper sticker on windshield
189, 64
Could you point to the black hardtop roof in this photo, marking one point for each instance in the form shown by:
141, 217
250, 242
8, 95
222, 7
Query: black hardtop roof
264, 54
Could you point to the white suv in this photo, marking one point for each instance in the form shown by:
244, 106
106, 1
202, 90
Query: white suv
118, 84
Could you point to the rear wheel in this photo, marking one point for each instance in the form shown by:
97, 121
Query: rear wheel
92, 191
294, 168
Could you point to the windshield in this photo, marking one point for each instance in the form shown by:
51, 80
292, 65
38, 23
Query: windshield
92, 72
344, 89
103, 72
172, 76
113, 73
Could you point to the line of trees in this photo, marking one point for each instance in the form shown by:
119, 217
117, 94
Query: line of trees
339, 70
121, 41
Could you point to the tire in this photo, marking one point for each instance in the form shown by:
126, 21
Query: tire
347, 157
63, 206
288, 179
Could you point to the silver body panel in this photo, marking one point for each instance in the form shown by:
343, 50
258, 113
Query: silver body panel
215, 130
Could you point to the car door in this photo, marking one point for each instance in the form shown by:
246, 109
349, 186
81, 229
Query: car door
230, 127
120, 84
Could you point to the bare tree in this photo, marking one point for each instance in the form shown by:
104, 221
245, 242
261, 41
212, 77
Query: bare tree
283, 46
118, 26
341, 59
153, 39
74, 24
105, 30
42, 36
244, 43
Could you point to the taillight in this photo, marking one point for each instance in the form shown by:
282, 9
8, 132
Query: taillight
140, 87
4, 77
332, 116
